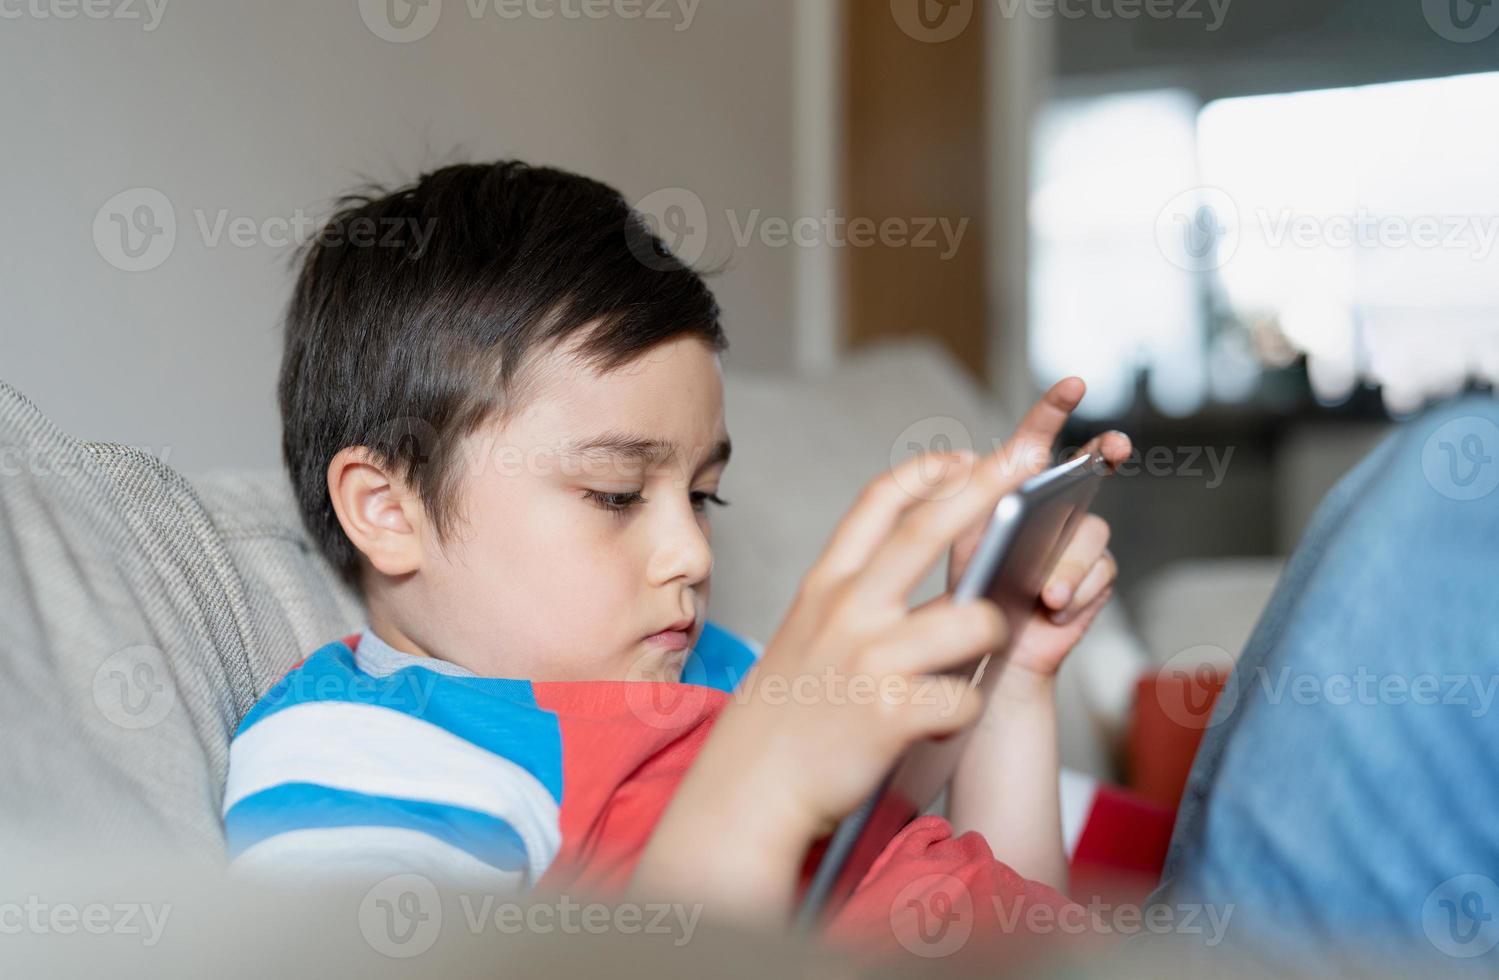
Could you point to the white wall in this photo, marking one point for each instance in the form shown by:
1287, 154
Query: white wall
1017, 71
259, 109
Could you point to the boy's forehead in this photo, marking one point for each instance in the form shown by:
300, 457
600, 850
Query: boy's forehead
681, 374
646, 450
662, 407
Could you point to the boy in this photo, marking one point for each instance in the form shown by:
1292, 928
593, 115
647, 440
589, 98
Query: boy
508, 434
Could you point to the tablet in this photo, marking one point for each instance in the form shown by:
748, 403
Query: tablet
1026, 535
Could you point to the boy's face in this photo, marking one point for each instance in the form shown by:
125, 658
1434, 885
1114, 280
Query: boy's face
571, 545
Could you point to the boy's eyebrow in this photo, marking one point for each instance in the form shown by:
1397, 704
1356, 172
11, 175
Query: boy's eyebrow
639, 449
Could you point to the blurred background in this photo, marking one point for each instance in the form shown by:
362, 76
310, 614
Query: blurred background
1260, 229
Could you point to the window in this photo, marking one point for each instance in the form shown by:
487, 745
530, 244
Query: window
1200, 246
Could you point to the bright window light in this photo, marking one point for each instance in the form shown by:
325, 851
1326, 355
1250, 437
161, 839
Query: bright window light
1103, 301
1360, 224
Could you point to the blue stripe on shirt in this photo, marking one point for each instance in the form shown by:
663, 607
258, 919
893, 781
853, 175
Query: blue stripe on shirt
499, 715
303, 806
719, 660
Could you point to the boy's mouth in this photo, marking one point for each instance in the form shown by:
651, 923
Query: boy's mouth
677, 636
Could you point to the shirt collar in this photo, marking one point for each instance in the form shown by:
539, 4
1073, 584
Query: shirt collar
379, 659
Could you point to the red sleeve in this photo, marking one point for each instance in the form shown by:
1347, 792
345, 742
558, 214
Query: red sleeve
935, 895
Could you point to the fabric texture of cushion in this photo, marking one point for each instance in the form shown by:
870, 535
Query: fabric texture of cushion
124, 648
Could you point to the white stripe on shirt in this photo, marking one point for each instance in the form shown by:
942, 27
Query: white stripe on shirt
366, 748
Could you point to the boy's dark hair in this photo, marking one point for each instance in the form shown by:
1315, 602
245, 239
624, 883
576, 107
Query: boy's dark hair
416, 310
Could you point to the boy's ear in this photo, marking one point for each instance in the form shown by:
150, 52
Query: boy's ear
381, 516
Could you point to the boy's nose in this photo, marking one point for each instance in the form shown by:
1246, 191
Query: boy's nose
683, 552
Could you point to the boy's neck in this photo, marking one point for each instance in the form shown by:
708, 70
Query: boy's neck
393, 635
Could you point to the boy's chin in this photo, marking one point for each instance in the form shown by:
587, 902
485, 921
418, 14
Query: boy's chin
652, 663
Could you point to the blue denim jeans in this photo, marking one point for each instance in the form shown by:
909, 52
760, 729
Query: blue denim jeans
1345, 798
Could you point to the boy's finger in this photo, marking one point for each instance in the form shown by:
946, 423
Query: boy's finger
882, 503
1028, 451
938, 636
1082, 552
944, 704
1113, 447
924, 532
1083, 616
1100, 579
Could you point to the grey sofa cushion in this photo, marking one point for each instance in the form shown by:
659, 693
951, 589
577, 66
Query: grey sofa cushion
124, 647
296, 601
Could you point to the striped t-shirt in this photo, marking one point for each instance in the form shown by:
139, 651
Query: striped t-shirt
367, 760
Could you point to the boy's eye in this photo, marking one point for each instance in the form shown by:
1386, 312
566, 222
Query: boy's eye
616, 502
701, 499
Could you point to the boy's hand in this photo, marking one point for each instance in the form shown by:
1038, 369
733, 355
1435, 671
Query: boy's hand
778, 772
1005, 786
851, 624
1083, 580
